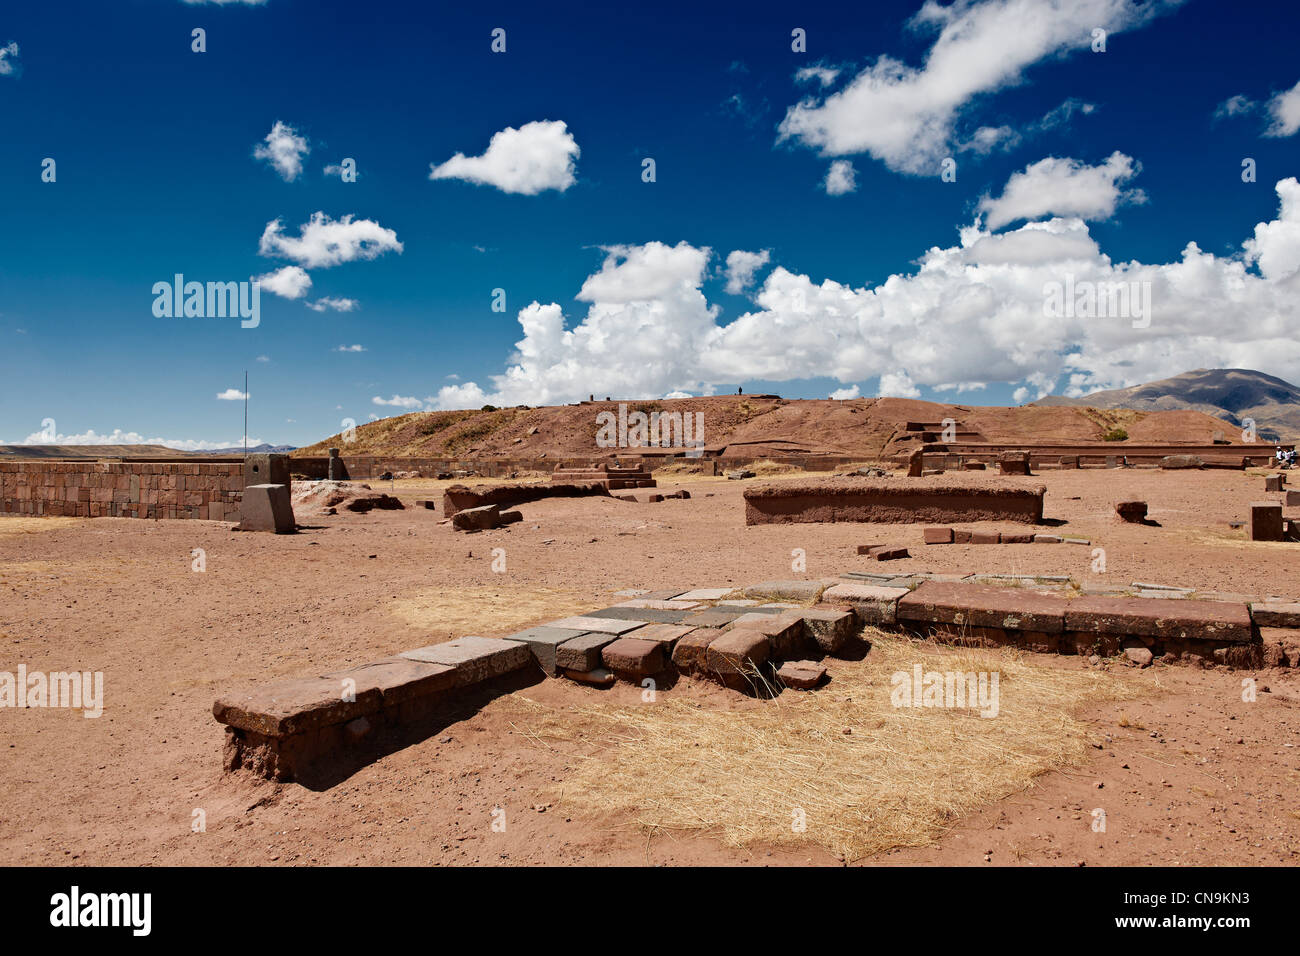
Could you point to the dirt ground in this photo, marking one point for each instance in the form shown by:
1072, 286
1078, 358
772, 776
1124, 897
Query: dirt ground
1186, 774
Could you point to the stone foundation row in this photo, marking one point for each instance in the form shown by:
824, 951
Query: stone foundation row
756, 640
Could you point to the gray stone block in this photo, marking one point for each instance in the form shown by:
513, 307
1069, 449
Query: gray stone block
474, 658
267, 508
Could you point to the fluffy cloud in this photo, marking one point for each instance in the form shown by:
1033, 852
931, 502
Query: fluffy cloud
290, 282
8, 60
284, 149
1064, 187
334, 303
841, 178
741, 267
841, 394
399, 401
823, 75
536, 157
119, 437
908, 117
350, 348
324, 242
1284, 112
971, 312
232, 395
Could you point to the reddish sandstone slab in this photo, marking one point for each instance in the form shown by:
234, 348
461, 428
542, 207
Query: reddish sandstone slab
1151, 617
399, 679
633, 659
690, 653
294, 706
975, 605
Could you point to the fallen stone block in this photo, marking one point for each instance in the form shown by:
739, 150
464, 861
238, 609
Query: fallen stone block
1291, 498
1137, 652
1274, 482
1266, 521
985, 537
426, 503
653, 499
1047, 539
801, 675
461, 498
1011, 537
543, 642
1176, 462
887, 553
1014, 463
1275, 614
482, 518
961, 537
266, 508
1134, 512
633, 659
937, 535
976, 605
1148, 617
872, 604
475, 659
596, 678
739, 475
582, 653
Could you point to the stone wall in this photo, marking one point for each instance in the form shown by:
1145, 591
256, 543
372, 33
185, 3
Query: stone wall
122, 489
842, 500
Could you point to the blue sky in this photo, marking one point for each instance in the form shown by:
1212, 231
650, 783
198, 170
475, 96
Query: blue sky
1070, 162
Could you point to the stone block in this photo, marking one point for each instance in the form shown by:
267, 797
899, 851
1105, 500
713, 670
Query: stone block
475, 658
801, 675
873, 604
398, 679
985, 537
976, 605
633, 659
1274, 482
603, 625
937, 535
267, 508
295, 706
830, 628
786, 590
664, 634
266, 469
1265, 521
705, 594
543, 641
1275, 614
786, 632
1015, 537
734, 658
646, 615
713, 617
1134, 512
690, 653
1184, 619
582, 653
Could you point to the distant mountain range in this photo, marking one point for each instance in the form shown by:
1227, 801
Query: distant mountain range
1232, 394
263, 448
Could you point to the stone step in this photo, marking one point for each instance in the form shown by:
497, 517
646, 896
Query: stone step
475, 659
976, 605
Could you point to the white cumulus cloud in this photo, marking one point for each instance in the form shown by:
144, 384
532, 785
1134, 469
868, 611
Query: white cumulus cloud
333, 303
741, 267
536, 157
973, 312
1284, 111
841, 178
908, 117
284, 149
1064, 187
232, 395
324, 242
290, 282
8, 60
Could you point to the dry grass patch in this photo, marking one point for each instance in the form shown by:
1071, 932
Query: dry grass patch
485, 611
13, 524
866, 775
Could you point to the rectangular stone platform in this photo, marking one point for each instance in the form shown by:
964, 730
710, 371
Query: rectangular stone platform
462, 497
893, 501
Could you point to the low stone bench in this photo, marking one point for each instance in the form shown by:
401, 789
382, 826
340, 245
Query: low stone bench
834, 500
